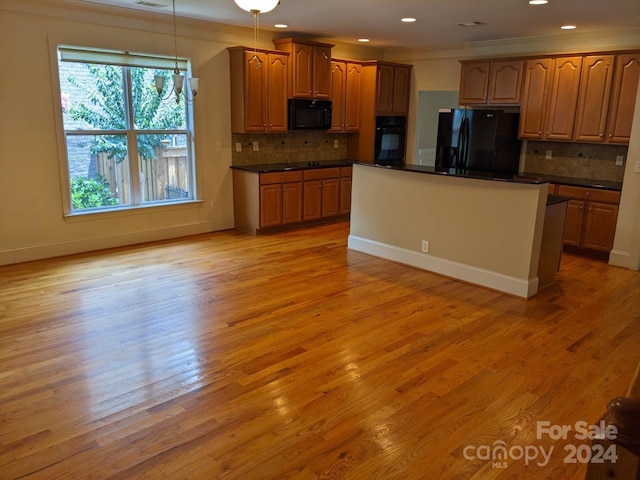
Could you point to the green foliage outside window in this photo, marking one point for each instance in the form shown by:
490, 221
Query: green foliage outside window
91, 193
106, 111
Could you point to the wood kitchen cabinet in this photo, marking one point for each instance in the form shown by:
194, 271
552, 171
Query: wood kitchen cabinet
345, 96
538, 76
345, 189
309, 67
321, 193
258, 90
580, 98
496, 82
623, 98
263, 200
593, 98
563, 98
280, 198
392, 89
591, 217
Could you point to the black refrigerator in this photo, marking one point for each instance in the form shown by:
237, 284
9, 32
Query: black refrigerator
480, 140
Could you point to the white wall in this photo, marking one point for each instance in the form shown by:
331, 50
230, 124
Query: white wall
32, 220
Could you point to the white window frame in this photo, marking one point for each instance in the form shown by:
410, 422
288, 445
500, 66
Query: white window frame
124, 59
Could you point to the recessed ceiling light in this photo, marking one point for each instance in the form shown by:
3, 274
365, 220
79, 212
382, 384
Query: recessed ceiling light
568, 27
408, 19
470, 24
363, 40
281, 25
538, 2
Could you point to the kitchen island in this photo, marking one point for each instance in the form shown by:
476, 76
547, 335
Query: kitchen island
493, 230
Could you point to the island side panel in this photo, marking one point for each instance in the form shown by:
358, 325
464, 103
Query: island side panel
481, 231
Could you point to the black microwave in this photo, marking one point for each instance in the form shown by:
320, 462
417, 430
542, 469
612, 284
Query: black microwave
309, 114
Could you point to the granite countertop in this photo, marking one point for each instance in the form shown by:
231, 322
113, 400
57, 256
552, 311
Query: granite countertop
456, 172
577, 182
283, 167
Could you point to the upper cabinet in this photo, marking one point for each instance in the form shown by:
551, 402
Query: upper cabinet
563, 98
345, 95
392, 89
588, 98
496, 82
309, 68
623, 98
593, 98
538, 75
258, 90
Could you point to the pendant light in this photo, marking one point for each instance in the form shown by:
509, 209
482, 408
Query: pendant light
178, 78
257, 7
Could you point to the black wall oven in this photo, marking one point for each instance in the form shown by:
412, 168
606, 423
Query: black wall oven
390, 140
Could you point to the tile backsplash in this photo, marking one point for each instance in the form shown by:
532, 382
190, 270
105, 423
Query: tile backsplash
576, 160
298, 146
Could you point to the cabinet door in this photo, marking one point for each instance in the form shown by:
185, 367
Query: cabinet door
564, 97
623, 100
505, 82
535, 97
593, 98
401, 84
338, 95
292, 202
255, 91
277, 93
573, 223
474, 82
600, 226
270, 205
330, 197
384, 86
312, 199
302, 71
321, 72
345, 195
352, 97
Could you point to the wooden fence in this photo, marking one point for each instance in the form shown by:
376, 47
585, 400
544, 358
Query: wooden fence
160, 178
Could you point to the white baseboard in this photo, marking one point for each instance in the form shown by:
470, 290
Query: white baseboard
618, 258
478, 276
50, 250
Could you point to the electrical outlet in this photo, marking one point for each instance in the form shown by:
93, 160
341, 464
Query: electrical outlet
548, 155
336, 144
214, 204
219, 146
636, 167
425, 246
238, 147
619, 160
256, 147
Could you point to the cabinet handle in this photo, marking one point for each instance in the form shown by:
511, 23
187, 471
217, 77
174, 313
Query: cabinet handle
602, 134
540, 132
587, 194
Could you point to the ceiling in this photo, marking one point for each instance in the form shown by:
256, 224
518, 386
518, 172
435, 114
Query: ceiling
436, 25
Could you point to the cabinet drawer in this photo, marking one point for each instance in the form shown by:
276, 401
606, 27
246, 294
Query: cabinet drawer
320, 173
593, 194
280, 177
346, 171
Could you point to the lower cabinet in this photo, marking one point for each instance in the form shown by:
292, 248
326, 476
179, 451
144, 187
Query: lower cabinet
591, 217
321, 193
275, 199
280, 204
345, 190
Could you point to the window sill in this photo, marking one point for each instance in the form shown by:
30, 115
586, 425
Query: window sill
128, 211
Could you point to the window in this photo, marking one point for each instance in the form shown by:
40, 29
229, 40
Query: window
126, 146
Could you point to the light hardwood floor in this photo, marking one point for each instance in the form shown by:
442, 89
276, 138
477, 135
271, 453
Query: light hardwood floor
226, 356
